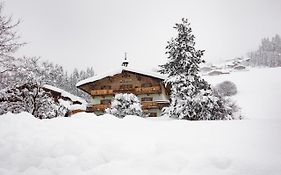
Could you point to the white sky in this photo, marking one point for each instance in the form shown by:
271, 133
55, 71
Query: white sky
84, 33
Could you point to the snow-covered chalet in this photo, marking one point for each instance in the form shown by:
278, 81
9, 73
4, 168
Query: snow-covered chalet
147, 86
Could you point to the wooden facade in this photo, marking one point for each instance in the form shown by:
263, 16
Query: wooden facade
150, 91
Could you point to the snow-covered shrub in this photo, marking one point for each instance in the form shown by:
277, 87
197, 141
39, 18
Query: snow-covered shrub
30, 98
226, 88
231, 108
125, 104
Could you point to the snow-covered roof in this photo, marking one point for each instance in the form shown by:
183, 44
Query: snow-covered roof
69, 105
65, 94
118, 71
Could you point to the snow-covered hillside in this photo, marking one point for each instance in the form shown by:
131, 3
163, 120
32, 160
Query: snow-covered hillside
86, 144
259, 91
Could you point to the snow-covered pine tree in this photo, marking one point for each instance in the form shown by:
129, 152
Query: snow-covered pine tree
74, 78
268, 54
125, 104
191, 96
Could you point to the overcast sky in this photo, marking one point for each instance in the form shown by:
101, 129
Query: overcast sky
83, 33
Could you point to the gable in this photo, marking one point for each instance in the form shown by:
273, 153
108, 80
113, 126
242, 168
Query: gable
123, 80
118, 71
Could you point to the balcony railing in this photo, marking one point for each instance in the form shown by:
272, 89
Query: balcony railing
149, 105
124, 90
140, 90
98, 107
148, 90
144, 104
102, 92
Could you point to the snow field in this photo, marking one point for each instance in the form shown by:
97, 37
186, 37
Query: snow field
107, 145
86, 144
259, 91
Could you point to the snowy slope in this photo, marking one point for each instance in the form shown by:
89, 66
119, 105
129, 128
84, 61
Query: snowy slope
86, 144
259, 91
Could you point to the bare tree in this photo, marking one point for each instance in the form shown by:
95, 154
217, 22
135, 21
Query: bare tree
9, 41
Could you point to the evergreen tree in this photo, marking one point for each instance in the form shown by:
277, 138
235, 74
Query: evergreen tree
268, 54
191, 96
74, 78
125, 104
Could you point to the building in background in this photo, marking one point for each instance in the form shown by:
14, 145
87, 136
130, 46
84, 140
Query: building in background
73, 103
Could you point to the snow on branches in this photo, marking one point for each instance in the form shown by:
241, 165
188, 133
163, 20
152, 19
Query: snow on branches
191, 96
125, 104
31, 98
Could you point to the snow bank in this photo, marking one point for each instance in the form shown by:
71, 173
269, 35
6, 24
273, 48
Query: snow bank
86, 144
101, 145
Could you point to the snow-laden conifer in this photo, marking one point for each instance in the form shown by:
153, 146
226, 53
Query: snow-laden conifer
191, 96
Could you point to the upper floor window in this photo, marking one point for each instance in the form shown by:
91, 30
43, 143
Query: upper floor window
125, 75
105, 101
126, 86
106, 87
146, 85
126, 81
146, 99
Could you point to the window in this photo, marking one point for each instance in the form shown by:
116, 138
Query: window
146, 99
146, 85
107, 87
152, 114
126, 86
125, 75
105, 101
126, 81
138, 78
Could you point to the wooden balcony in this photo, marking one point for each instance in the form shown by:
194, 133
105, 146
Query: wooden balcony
149, 105
148, 90
125, 90
145, 105
72, 112
97, 107
140, 90
102, 92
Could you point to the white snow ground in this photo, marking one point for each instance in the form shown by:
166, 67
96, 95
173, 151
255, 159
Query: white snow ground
259, 91
89, 145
